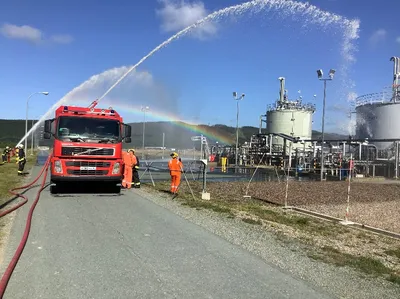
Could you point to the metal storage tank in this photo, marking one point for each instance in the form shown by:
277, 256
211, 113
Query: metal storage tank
378, 121
292, 118
378, 113
296, 123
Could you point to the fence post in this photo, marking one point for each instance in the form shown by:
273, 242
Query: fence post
346, 218
287, 176
204, 194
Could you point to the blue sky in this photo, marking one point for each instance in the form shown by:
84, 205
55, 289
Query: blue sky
57, 45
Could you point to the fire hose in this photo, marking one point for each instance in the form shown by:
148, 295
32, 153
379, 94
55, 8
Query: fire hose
7, 274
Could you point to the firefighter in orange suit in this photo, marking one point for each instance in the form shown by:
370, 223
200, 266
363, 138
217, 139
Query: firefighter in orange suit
128, 163
175, 169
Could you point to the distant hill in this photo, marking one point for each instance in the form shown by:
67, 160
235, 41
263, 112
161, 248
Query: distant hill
11, 131
177, 134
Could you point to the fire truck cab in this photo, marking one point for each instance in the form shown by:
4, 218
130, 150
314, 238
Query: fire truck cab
87, 146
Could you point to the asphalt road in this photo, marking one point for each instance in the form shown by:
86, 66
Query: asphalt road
88, 246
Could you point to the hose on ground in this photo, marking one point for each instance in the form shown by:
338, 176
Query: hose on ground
25, 199
7, 274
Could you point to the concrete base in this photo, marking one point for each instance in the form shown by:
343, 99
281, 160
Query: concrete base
205, 196
346, 222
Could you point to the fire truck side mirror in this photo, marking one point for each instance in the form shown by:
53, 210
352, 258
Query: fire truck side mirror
47, 132
47, 126
128, 140
127, 131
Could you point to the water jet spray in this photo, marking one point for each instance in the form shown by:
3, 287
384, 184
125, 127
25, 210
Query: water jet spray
285, 7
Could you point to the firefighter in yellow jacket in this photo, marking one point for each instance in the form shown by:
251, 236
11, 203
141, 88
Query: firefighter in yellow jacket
5, 155
21, 159
135, 169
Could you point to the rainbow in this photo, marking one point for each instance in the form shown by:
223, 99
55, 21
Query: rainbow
209, 132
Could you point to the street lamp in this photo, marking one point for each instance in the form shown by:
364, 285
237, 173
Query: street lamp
32, 139
320, 77
235, 97
144, 110
26, 121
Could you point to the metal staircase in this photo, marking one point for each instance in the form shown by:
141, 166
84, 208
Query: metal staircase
205, 148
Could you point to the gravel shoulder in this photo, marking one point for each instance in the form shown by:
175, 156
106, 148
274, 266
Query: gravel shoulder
298, 251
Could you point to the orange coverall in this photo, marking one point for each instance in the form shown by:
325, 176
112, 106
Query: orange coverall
128, 163
175, 168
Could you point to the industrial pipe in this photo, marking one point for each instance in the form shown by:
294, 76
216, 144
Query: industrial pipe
344, 148
394, 59
270, 144
396, 74
355, 140
397, 160
376, 149
282, 89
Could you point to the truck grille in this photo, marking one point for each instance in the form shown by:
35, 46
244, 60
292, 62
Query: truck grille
89, 151
87, 172
87, 163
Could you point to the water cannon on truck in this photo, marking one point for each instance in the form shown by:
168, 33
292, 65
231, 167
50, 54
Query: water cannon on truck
87, 146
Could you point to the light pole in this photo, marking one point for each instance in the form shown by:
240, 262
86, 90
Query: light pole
163, 144
33, 135
320, 77
144, 110
237, 99
26, 121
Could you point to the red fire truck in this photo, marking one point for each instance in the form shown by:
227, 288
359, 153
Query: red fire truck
87, 146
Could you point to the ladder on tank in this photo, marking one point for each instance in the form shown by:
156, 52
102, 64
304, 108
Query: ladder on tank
205, 148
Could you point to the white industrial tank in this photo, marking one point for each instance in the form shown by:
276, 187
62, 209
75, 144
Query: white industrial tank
292, 122
378, 121
292, 118
378, 114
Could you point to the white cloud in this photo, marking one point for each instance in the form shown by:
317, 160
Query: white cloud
137, 89
31, 34
22, 32
62, 38
377, 37
176, 16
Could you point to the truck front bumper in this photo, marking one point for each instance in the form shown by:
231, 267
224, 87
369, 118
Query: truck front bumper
86, 178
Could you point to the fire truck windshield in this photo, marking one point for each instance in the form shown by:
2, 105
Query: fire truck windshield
83, 129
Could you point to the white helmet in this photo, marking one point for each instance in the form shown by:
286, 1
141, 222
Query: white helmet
20, 146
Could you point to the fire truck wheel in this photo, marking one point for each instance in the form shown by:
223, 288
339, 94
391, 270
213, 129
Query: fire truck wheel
53, 189
116, 189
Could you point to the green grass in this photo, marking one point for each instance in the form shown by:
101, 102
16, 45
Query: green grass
252, 221
9, 176
290, 219
206, 205
366, 265
274, 216
394, 252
